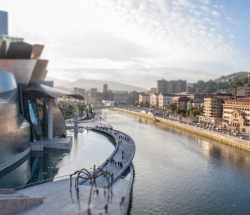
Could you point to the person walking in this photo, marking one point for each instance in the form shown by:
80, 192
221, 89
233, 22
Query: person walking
106, 208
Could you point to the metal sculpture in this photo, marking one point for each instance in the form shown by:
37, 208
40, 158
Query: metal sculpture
92, 176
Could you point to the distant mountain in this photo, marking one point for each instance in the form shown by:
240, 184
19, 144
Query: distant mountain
87, 84
59, 82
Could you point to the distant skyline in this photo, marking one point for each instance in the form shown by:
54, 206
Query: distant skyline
136, 41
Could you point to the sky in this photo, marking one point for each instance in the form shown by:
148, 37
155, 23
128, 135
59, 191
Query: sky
136, 41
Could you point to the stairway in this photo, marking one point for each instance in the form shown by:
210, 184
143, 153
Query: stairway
11, 202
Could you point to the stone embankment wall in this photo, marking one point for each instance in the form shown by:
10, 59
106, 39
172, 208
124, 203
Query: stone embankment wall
222, 138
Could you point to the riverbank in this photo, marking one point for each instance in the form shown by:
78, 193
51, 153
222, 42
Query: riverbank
221, 138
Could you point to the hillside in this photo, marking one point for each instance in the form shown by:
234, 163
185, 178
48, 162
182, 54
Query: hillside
228, 83
237, 75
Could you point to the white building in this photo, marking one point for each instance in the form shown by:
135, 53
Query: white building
144, 99
154, 100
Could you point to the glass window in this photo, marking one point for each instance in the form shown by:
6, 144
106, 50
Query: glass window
34, 120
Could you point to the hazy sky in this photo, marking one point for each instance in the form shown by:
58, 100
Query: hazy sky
136, 41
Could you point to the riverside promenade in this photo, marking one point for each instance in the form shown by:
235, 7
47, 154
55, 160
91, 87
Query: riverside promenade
220, 138
55, 197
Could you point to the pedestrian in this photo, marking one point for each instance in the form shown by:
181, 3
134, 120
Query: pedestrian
97, 192
89, 213
122, 200
106, 208
104, 193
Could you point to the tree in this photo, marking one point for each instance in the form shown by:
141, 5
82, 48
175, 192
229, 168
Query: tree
173, 107
182, 112
194, 111
147, 104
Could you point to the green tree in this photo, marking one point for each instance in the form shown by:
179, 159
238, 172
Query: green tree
173, 107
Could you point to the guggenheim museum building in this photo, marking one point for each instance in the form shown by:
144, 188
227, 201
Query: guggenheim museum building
28, 109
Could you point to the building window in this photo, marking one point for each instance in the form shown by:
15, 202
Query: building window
35, 121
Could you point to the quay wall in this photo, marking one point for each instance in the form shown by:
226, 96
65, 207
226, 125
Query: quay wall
221, 138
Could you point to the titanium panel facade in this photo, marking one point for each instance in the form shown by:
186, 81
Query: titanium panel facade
59, 125
23, 97
14, 130
23, 69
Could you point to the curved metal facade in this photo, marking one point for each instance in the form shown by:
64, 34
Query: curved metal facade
25, 71
59, 125
22, 97
7, 82
14, 130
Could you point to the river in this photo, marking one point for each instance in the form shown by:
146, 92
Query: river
88, 148
175, 172
179, 173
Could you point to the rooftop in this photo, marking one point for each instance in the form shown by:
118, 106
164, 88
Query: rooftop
245, 100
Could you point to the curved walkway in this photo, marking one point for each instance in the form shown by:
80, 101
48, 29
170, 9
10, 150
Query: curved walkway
57, 198
123, 154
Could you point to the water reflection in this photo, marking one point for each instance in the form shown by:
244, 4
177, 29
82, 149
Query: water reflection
211, 149
88, 149
18, 176
180, 173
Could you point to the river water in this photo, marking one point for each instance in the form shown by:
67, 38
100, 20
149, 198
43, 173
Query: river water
88, 148
178, 173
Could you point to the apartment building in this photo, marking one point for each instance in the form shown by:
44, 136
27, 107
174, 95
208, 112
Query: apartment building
236, 115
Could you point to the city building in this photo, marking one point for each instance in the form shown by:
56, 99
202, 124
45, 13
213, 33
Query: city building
98, 98
133, 98
154, 100
180, 101
161, 86
179, 86
236, 115
106, 93
243, 92
164, 100
213, 108
168, 87
105, 88
3, 23
121, 97
90, 96
79, 91
197, 99
144, 99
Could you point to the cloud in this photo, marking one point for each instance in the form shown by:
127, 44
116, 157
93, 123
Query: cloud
138, 40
